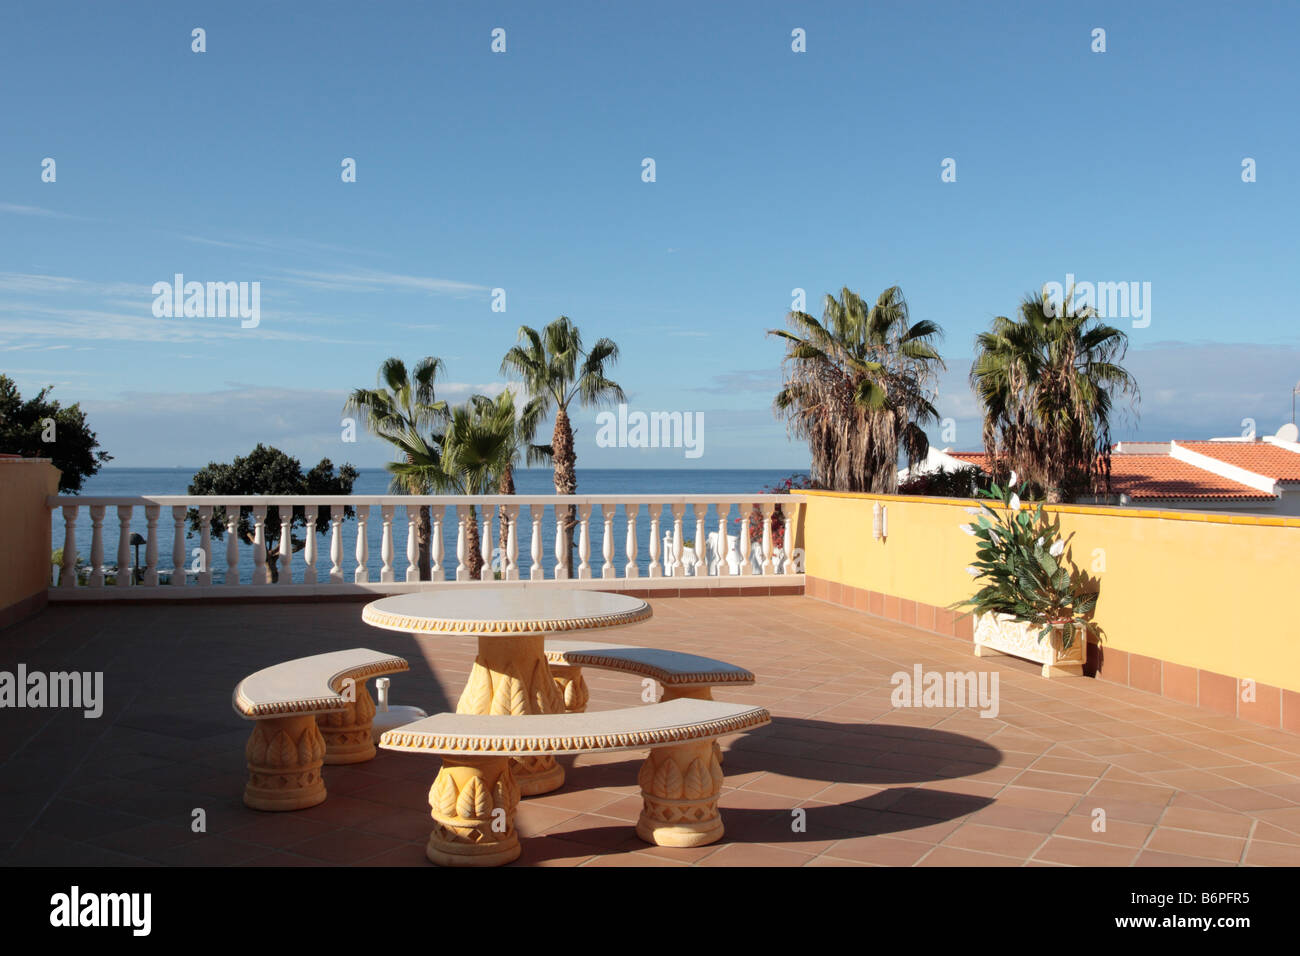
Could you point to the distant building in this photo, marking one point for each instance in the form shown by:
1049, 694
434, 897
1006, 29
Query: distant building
1256, 475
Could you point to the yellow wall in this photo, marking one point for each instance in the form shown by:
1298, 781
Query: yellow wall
25, 528
1206, 590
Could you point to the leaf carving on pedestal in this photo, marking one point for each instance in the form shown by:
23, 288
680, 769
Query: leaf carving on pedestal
477, 697
282, 752
668, 780
645, 777
697, 781
474, 802
255, 749
444, 796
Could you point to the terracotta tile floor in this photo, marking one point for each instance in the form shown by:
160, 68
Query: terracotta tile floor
839, 779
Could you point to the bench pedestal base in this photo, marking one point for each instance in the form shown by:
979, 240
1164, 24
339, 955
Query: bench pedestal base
473, 803
347, 732
679, 791
284, 764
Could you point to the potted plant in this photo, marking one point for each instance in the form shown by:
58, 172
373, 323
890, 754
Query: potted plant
1033, 603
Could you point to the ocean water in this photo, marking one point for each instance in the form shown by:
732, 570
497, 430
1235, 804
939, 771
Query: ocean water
374, 481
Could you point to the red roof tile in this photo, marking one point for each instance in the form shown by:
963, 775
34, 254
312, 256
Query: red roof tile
1261, 457
1147, 477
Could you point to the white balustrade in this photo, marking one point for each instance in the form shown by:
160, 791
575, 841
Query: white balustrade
751, 551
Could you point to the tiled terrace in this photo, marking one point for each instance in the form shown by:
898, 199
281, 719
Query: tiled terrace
927, 787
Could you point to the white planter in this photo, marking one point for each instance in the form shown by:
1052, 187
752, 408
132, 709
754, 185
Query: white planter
1018, 638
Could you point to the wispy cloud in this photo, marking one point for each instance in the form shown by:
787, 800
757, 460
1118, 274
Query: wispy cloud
19, 210
372, 281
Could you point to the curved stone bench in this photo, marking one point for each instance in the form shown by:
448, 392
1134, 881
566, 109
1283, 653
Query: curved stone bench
682, 675
309, 711
474, 796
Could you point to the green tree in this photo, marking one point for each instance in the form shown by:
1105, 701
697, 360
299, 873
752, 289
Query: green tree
269, 471
403, 409
1048, 380
469, 457
42, 428
858, 388
557, 371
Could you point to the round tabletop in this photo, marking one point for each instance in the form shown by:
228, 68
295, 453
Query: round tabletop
504, 610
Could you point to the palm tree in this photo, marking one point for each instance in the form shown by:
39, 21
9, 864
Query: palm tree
859, 386
469, 457
399, 410
523, 450
557, 370
1047, 381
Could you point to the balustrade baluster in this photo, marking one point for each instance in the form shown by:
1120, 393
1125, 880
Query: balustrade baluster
607, 542
68, 570
232, 545
584, 541
151, 546
178, 545
742, 540
768, 508
512, 543
436, 570
462, 569
205, 546
724, 552
656, 512
284, 564
362, 573
124, 571
485, 546
336, 544
309, 546
561, 545
96, 546
536, 571
679, 512
701, 551
630, 511
261, 573
386, 544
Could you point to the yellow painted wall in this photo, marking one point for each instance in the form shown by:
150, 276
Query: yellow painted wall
1206, 590
25, 527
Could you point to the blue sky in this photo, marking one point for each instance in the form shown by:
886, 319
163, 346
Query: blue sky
775, 170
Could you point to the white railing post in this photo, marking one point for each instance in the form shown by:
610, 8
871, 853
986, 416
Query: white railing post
96, 546
607, 570
261, 573
656, 571
485, 546
511, 559
536, 572
462, 569
436, 570
561, 543
310, 512
630, 511
724, 552
386, 544
178, 545
336, 544
701, 551
742, 539
768, 508
68, 569
151, 546
412, 543
584, 541
205, 546
124, 570
679, 512
232, 545
362, 574
284, 564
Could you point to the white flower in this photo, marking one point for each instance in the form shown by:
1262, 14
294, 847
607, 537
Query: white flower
971, 511
968, 529
1038, 543
1012, 481
1015, 502
973, 572
1057, 548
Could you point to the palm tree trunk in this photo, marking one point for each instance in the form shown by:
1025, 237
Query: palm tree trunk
473, 559
423, 536
505, 486
566, 477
